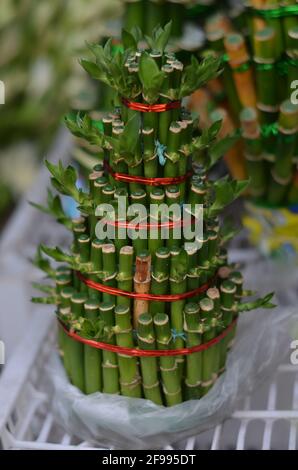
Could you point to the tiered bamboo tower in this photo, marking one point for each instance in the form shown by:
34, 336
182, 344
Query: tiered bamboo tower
151, 316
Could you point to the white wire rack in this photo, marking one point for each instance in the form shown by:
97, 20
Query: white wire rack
266, 420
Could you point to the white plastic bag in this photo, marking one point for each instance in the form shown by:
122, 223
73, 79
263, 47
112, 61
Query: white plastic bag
263, 341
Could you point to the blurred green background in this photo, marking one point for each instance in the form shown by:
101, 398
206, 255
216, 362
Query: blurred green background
40, 43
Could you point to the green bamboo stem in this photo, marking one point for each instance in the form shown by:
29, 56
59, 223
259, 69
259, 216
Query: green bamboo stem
155, 239
135, 170
173, 198
165, 118
210, 355
178, 285
149, 368
65, 296
253, 151
177, 14
172, 153
203, 251
160, 279
282, 171
227, 296
62, 281
78, 229
84, 248
196, 196
133, 14
130, 382
276, 24
64, 339
292, 37
149, 155
92, 356
98, 186
266, 74
121, 204
109, 269
108, 192
168, 367
140, 243
193, 329
125, 274
289, 23
154, 14
75, 350
110, 369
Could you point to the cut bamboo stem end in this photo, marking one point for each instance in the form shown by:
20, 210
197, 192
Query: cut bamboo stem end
142, 281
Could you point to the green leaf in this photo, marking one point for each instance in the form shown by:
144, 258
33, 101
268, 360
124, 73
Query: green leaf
151, 77
92, 69
198, 74
221, 147
128, 40
129, 137
64, 180
163, 38
263, 302
225, 193
55, 209
43, 264
44, 300
43, 288
214, 129
57, 254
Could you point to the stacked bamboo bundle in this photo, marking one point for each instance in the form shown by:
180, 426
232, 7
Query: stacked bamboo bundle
256, 93
154, 315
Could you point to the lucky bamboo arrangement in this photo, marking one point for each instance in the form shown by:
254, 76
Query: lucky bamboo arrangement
148, 316
260, 51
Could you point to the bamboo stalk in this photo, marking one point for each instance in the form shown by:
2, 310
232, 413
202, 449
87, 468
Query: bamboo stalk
266, 74
130, 381
193, 329
227, 297
282, 171
253, 151
146, 341
75, 350
92, 356
168, 366
109, 269
210, 355
125, 274
178, 285
110, 369
133, 14
155, 240
160, 279
142, 281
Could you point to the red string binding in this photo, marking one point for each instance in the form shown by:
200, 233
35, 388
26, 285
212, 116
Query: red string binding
134, 295
152, 353
147, 181
145, 226
151, 108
